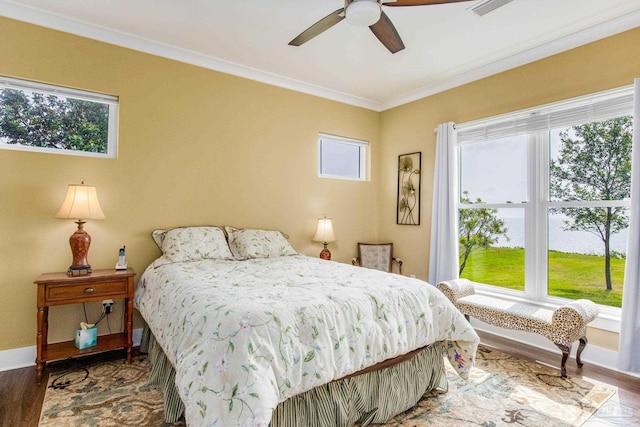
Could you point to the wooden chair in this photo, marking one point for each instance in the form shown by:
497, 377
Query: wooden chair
378, 256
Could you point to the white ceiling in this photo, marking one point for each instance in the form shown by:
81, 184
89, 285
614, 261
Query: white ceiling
446, 45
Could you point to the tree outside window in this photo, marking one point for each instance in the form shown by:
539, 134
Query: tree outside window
579, 220
44, 121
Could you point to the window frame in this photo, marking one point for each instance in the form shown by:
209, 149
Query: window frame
363, 146
61, 91
537, 206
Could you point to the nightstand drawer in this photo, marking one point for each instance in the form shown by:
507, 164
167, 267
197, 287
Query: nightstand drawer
86, 290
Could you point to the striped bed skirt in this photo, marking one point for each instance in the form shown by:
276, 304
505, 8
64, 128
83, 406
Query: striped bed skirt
373, 396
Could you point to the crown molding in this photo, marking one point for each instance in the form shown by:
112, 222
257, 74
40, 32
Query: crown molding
475, 72
65, 24
578, 38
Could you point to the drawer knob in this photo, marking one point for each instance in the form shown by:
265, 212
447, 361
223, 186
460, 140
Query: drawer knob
88, 290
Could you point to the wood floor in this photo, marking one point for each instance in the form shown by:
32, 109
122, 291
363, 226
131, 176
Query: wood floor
21, 398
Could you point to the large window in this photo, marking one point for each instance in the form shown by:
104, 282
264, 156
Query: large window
342, 158
544, 199
53, 119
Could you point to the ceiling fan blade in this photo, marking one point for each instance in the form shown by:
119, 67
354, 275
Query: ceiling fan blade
419, 2
319, 27
387, 34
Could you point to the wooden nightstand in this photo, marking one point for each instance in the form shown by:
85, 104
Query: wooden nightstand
60, 289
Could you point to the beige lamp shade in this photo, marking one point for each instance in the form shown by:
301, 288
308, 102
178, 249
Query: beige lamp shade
324, 233
81, 202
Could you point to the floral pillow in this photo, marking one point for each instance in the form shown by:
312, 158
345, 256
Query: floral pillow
158, 237
246, 243
192, 244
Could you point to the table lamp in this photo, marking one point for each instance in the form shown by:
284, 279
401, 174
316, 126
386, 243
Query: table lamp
81, 203
325, 235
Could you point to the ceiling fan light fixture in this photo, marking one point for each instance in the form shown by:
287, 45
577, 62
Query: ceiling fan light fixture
363, 13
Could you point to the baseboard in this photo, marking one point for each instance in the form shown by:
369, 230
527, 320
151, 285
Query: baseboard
17, 358
24, 357
592, 354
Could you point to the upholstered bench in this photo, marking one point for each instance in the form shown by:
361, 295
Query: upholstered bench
563, 326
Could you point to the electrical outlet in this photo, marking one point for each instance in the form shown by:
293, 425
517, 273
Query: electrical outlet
107, 306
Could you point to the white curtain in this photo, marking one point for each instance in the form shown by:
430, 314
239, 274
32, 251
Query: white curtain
629, 356
443, 255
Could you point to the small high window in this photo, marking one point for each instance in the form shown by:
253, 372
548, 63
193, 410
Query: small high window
53, 119
342, 158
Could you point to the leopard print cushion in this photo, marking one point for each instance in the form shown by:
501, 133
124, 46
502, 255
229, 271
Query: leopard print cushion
563, 325
456, 289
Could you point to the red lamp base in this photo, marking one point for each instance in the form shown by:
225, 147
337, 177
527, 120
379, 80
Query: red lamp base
325, 254
79, 242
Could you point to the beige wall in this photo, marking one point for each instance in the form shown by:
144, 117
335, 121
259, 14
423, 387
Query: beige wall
201, 147
195, 147
606, 64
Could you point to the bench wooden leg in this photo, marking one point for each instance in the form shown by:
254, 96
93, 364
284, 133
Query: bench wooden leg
583, 344
566, 350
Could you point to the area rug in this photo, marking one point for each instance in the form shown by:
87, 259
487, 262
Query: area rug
503, 390
108, 393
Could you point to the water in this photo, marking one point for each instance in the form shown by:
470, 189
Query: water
564, 241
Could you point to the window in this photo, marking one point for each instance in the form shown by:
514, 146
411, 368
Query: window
53, 119
544, 199
342, 158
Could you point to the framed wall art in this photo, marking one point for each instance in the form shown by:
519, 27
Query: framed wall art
408, 207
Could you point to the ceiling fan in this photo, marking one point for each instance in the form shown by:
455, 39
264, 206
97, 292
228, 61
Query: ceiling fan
366, 13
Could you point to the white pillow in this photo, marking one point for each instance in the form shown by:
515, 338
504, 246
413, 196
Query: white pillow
192, 243
158, 237
246, 243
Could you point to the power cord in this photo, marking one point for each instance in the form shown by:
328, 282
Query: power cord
60, 382
108, 324
102, 316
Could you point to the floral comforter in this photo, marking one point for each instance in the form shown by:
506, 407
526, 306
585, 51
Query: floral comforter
246, 335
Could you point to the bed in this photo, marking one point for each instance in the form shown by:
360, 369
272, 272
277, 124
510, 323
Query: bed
255, 333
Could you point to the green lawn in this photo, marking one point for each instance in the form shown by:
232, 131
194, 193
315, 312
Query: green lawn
570, 275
